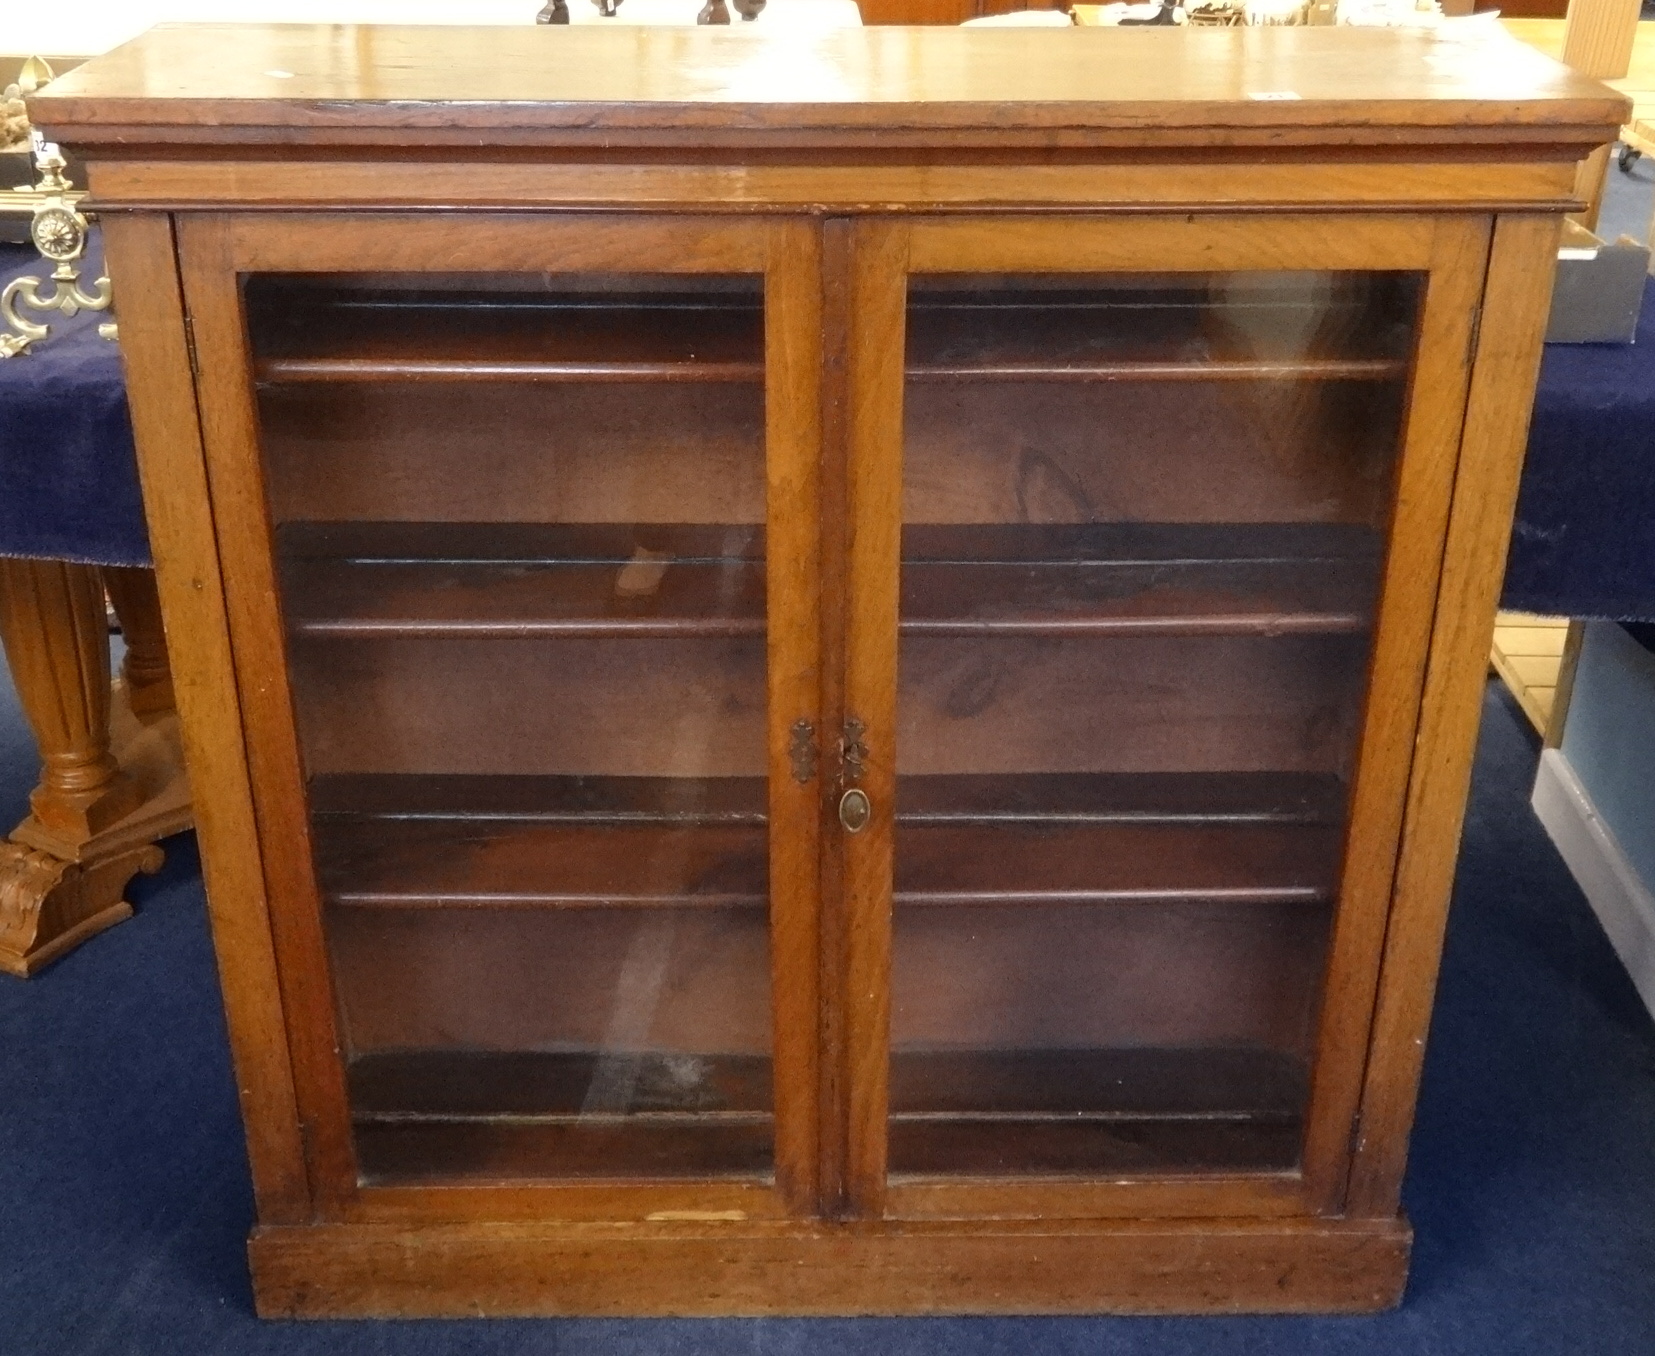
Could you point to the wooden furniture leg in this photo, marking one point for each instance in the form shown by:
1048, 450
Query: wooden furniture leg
144, 670
112, 779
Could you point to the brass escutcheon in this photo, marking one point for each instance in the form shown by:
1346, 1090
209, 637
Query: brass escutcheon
855, 810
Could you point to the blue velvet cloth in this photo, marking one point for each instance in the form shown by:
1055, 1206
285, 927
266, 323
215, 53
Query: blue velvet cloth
1584, 544
68, 476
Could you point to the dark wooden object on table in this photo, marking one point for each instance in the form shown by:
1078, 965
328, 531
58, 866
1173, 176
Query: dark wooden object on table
112, 778
944, 11
829, 705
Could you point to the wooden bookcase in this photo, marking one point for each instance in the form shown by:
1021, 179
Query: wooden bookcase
836, 681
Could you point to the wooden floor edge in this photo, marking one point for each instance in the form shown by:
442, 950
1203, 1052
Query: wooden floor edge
481, 1270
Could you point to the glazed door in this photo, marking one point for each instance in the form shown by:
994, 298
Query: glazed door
1145, 520
522, 518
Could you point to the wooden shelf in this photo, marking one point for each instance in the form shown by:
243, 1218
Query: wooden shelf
1058, 337
684, 802
551, 842
440, 1114
414, 579
466, 1114
456, 1085
1133, 336
1049, 799
1035, 864
444, 1151
1309, 369
1034, 1112
518, 580
300, 335
366, 861
1138, 579
1119, 1085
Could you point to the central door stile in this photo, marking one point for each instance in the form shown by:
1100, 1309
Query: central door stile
867, 734
833, 540
793, 437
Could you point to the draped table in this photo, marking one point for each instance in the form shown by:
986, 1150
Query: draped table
1583, 544
71, 536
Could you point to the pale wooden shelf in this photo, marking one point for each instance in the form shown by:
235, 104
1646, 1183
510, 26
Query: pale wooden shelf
1528, 656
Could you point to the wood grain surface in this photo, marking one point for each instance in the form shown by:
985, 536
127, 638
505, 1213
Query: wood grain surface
218, 84
702, 1267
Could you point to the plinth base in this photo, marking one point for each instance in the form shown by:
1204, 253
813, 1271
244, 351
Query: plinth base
781, 1267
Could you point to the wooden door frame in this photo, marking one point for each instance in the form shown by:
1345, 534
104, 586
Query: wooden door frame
1515, 304
214, 251
161, 394
1453, 251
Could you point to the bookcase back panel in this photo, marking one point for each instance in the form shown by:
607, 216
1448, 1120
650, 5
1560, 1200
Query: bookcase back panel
1016, 704
514, 979
1255, 450
599, 707
1069, 976
516, 452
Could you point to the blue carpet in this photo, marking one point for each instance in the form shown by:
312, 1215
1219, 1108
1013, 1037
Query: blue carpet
124, 1198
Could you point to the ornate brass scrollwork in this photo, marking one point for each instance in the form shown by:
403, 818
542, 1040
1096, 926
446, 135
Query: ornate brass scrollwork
59, 233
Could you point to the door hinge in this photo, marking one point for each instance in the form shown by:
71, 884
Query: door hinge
853, 753
803, 751
189, 344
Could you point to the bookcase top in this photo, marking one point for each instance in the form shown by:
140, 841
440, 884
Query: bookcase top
475, 86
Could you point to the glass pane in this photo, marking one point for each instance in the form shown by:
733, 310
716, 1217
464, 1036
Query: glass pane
1143, 528
519, 526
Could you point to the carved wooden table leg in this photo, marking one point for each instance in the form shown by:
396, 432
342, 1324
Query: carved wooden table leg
111, 777
144, 670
